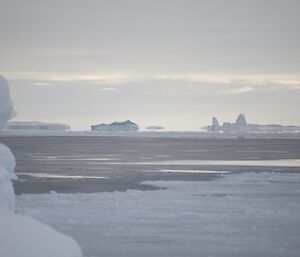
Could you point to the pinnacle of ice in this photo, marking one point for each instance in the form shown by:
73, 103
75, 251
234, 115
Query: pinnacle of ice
241, 121
215, 124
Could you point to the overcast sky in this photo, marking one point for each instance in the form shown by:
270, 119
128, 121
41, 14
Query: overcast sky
156, 62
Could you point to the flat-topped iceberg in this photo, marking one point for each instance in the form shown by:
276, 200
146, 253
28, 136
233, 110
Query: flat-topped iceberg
155, 128
36, 125
116, 126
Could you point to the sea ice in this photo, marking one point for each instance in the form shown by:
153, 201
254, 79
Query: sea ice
245, 214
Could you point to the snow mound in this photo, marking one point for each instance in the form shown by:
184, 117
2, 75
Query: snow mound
7, 165
6, 107
21, 236
33, 238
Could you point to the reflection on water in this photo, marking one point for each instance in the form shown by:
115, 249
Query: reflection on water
270, 163
192, 171
45, 175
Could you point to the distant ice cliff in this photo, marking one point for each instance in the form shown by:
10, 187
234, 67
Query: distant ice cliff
35, 125
154, 128
241, 125
116, 126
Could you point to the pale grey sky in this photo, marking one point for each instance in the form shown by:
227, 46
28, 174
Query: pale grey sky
160, 62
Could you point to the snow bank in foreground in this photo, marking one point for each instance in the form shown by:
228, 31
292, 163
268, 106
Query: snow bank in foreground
33, 238
26, 237
7, 160
7, 165
21, 236
6, 107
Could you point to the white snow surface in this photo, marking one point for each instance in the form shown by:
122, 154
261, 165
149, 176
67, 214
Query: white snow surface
7, 165
7, 160
21, 236
237, 215
25, 237
6, 107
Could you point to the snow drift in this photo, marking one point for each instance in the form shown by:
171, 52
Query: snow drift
6, 107
33, 238
7, 165
7, 160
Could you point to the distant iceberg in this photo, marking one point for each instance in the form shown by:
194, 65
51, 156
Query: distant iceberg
215, 125
116, 126
241, 125
35, 125
154, 128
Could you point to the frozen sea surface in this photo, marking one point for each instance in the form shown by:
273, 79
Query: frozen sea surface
236, 215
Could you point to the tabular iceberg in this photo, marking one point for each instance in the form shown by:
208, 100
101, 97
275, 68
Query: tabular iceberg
154, 128
35, 125
116, 126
